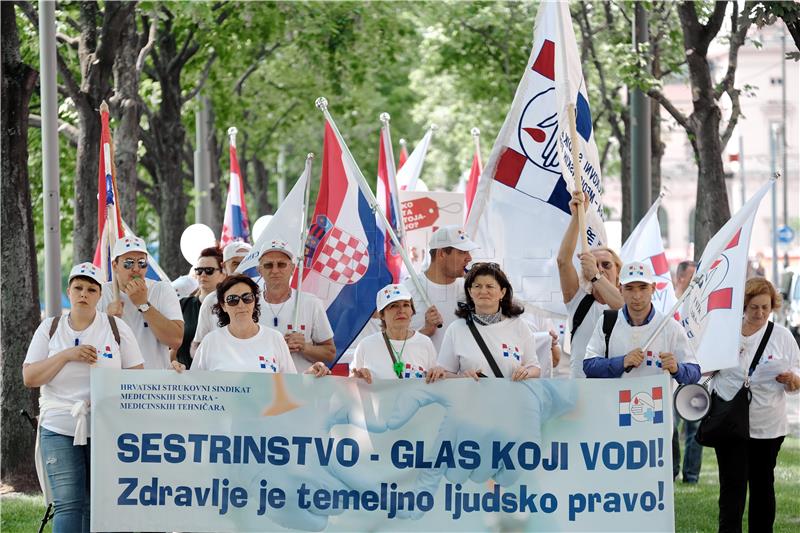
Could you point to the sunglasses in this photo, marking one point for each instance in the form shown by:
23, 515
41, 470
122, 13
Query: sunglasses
233, 299
280, 265
493, 266
130, 263
208, 271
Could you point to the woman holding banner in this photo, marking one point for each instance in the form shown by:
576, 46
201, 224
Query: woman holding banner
58, 360
490, 338
242, 344
397, 351
751, 462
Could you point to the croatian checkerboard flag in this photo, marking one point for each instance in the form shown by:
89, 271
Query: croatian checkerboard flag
345, 261
713, 309
235, 226
646, 245
388, 200
524, 184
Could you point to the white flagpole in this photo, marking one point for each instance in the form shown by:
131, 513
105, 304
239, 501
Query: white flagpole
476, 137
322, 104
392, 170
301, 258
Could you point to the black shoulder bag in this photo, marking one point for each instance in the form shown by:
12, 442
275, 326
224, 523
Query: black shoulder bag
730, 420
485, 349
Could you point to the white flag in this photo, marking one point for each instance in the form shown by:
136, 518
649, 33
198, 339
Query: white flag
285, 225
521, 209
645, 244
714, 306
409, 173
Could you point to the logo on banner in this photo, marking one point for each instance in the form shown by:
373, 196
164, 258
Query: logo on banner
268, 363
641, 407
514, 352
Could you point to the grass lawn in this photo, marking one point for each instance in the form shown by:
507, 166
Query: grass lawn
695, 505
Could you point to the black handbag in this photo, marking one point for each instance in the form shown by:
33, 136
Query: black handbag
730, 420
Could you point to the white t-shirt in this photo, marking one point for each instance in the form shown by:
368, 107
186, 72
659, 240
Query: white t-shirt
418, 356
625, 338
372, 327
313, 322
510, 341
541, 326
266, 351
768, 404
583, 333
444, 297
162, 296
71, 384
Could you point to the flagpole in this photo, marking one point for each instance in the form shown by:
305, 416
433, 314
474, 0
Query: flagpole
303, 236
577, 177
392, 170
476, 137
111, 231
322, 104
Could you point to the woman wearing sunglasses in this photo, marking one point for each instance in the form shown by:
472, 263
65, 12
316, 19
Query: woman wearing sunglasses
397, 351
208, 272
241, 344
490, 317
58, 361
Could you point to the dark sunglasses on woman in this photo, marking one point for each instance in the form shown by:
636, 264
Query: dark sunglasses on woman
233, 299
208, 271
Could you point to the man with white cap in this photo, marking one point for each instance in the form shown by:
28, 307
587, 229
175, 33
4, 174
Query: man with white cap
615, 349
232, 255
311, 338
443, 282
149, 307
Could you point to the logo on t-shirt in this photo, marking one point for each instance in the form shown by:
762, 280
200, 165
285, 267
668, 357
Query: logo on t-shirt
270, 363
509, 351
301, 329
767, 359
652, 359
106, 353
412, 371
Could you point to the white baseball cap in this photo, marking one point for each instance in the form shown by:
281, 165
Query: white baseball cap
391, 293
277, 245
636, 271
128, 244
184, 286
235, 249
451, 236
86, 270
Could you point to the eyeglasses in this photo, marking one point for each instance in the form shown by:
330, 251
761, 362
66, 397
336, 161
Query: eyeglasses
233, 299
208, 271
130, 263
280, 265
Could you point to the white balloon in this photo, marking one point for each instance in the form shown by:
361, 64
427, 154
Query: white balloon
260, 226
194, 239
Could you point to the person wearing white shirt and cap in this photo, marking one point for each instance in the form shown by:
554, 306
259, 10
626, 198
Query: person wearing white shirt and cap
443, 282
615, 349
58, 360
149, 307
397, 352
232, 255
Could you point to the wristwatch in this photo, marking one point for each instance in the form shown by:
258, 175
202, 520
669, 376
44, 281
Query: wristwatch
595, 278
145, 307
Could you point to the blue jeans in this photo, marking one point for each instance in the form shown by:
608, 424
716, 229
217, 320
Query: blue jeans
67, 468
693, 453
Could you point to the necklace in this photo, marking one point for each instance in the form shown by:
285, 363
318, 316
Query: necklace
397, 360
486, 320
272, 310
78, 333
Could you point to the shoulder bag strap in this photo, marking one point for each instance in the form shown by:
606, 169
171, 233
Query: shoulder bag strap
761, 347
54, 325
391, 354
609, 319
485, 349
580, 313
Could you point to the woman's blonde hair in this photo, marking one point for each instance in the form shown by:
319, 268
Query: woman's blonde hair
614, 257
758, 286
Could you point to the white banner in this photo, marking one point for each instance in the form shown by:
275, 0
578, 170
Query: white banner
222, 451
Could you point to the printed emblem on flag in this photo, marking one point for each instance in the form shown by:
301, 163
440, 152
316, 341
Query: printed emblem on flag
270, 363
315, 234
412, 371
342, 258
641, 407
514, 352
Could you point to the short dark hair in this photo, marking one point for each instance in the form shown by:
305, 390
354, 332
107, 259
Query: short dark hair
212, 251
222, 288
447, 250
683, 266
508, 307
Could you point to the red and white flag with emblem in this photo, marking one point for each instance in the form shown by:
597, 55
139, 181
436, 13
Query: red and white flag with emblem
645, 244
713, 309
521, 208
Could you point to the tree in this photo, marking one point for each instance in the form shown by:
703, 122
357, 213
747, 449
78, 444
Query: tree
19, 294
704, 126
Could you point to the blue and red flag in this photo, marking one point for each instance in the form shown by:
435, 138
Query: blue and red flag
344, 253
388, 200
235, 226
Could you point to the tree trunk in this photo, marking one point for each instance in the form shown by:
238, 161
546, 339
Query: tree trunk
19, 295
656, 144
215, 149
84, 233
261, 188
625, 171
127, 108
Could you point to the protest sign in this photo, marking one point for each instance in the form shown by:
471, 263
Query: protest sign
423, 213
221, 451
